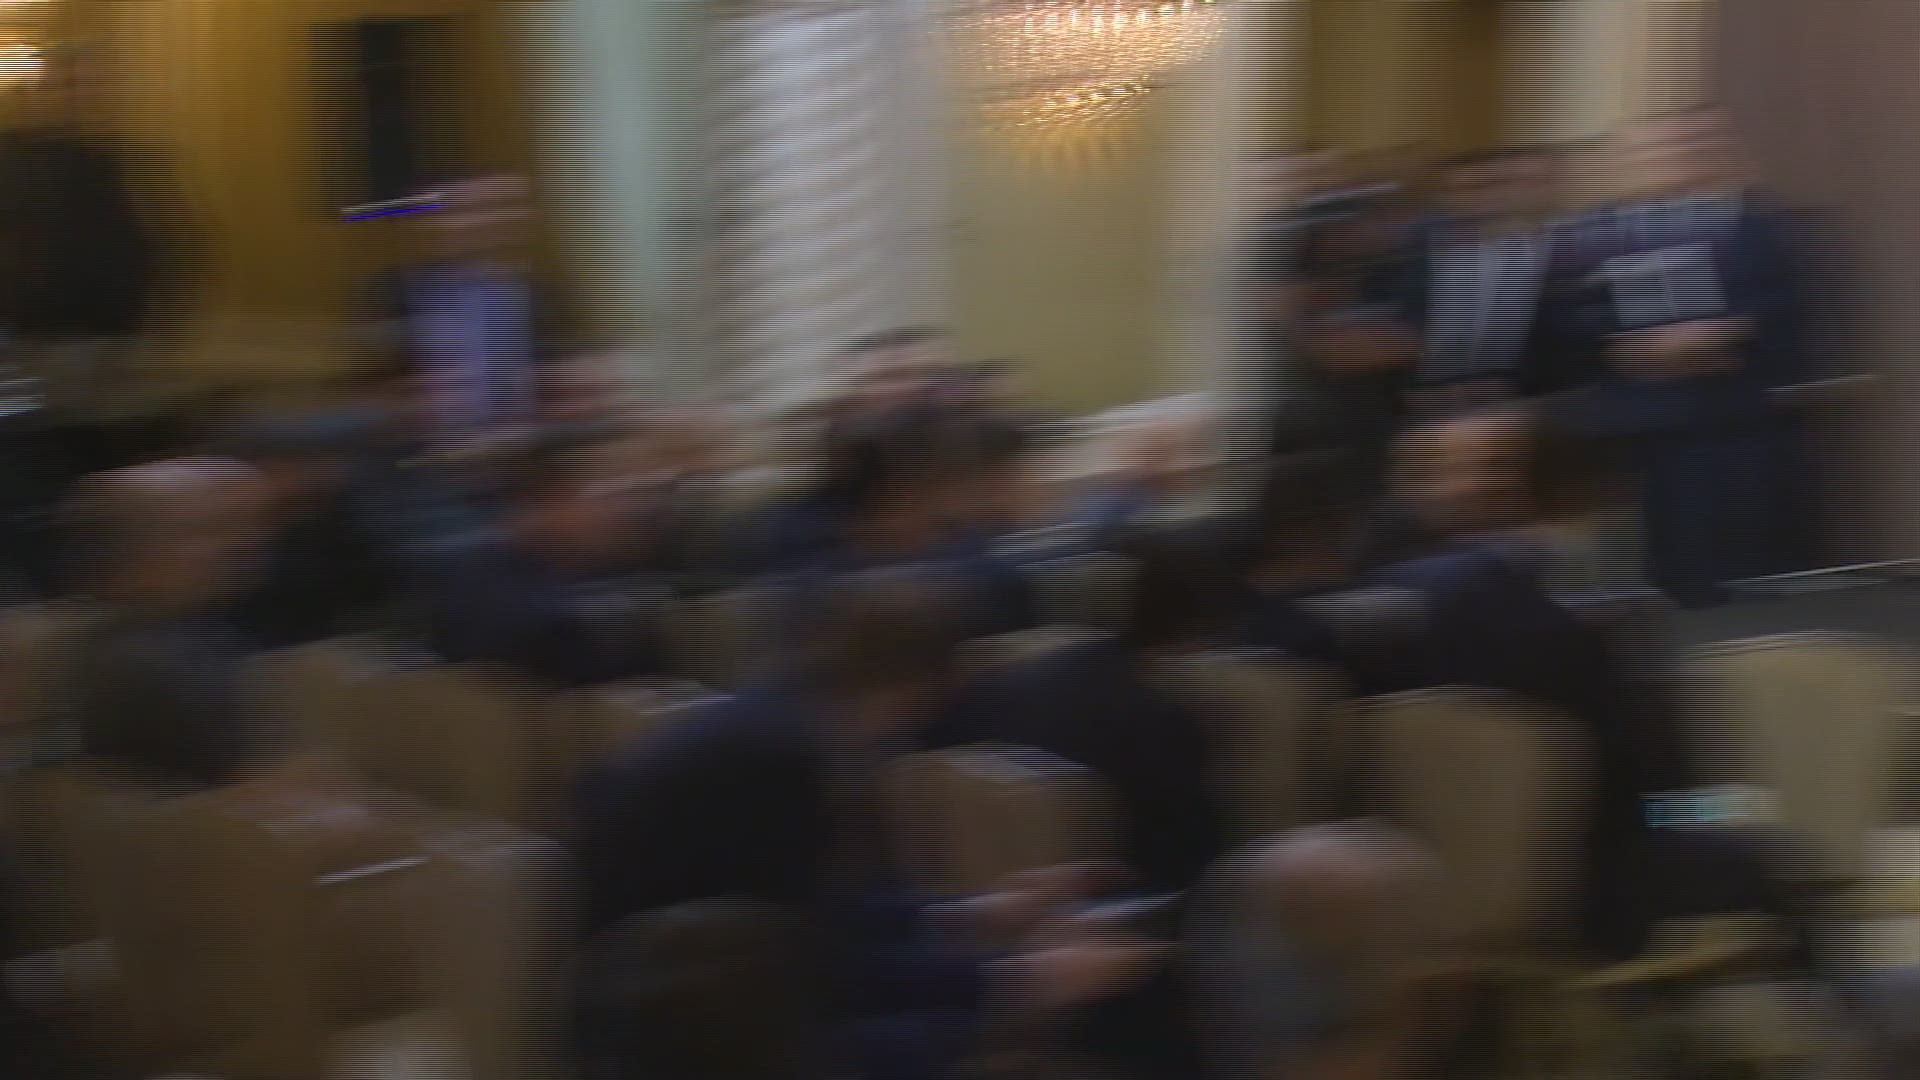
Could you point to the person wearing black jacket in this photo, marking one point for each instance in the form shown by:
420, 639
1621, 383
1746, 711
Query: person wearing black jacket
775, 796
84, 266
1489, 291
158, 678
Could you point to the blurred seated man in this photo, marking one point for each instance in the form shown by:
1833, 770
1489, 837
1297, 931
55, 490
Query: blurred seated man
994, 496
901, 492
692, 532
1455, 477
1490, 620
709, 990
1302, 541
324, 574
1314, 963
159, 679
545, 592
1348, 344
776, 795
1098, 705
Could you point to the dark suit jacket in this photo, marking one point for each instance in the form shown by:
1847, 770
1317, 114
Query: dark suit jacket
75, 256
1090, 705
1490, 623
164, 700
323, 577
1278, 621
1554, 357
743, 799
494, 601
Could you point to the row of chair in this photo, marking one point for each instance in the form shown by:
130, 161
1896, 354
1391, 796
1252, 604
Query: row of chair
302, 929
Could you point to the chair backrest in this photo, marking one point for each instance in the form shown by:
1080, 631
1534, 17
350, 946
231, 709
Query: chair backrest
1500, 789
38, 731
976, 814
38, 645
464, 737
326, 690
1823, 722
496, 942
1273, 730
469, 738
250, 923
716, 638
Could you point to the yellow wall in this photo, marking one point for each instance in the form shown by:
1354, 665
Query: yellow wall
1419, 77
1059, 263
228, 97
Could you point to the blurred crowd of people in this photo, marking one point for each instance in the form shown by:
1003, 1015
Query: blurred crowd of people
744, 912
1677, 326
1462, 393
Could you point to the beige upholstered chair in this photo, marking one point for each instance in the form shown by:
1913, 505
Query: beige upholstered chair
495, 943
250, 924
327, 689
1824, 724
1499, 789
37, 643
37, 647
1274, 730
466, 738
974, 815
459, 737
272, 933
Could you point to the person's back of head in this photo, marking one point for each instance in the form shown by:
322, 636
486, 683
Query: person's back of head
711, 990
991, 458
1313, 948
1572, 471
1181, 592
889, 637
1305, 517
895, 478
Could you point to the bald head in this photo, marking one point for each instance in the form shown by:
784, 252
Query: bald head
1351, 891
171, 534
